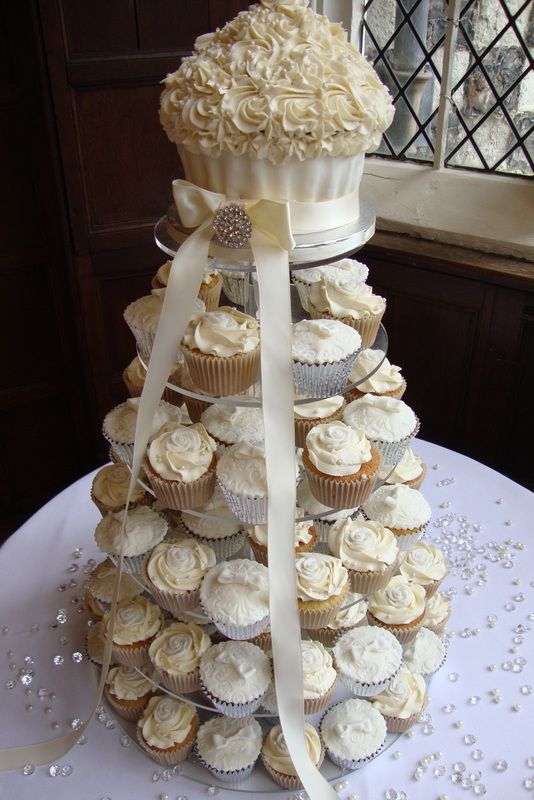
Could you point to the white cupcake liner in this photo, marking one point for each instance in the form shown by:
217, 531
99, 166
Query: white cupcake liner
131, 657
392, 452
406, 541
323, 528
232, 710
322, 380
143, 339
252, 510
361, 689
227, 776
179, 684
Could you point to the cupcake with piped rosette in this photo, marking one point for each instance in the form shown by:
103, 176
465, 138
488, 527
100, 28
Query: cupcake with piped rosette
119, 425
403, 701
374, 374
142, 317
389, 424
403, 510
137, 622
134, 377
242, 477
399, 608
352, 614
322, 586
323, 351
173, 572
167, 729
144, 529
210, 287
367, 549
101, 584
234, 676
128, 691
109, 490
235, 596
231, 424
277, 761
308, 415
175, 654
353, 733
229, 748
425, 564
303, 279
438, 611
319, 676
367, 659
410, 471
425, 654
306, 537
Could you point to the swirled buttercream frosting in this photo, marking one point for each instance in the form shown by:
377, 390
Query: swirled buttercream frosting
368, 654
303, 532
127, 683
162, 275
110, 486
181, 453
241, 469
345, 296
178, 647
323, 341
317, 669
179, 566
229, 745
319, 576
276, 754
135, 621
398, 603
363, 545
231, 424
144, 529
166, 722
236, 592
425, 653
225, 332
387, 377
437, 609
424, 563
398, 507
409, 467
405, 696
353, 611
384, 419
145, 312
319, 409
342, 267
353, 730
336, 449
102, 582
235, 672
119, 424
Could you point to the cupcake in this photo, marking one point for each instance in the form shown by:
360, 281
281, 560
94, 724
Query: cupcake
229, 748
324, 516
175, 654
231, 424
399, 608
109, 490
403, 701
242, 477
101, 584
234, 676
167, 730
373, 374
195, 405
95, 643
368, 551
180, 466
410, 471
277, 761
322, 587
323, 351
353, 733
142, 317
210, 288
143, 530
367, 659
319, 676
401, 509
389, 424
235, 596
217, 526
340, 465
128, 692
349, 300
134, 379
308, 415
438, 611
425, 654
173, 572
222, 351
303, 279
425, 564
306, 537
119, 425
137, 622
353, 614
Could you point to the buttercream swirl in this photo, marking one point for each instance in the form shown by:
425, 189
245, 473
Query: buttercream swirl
363, 545
345, 296
162, 275
342, 267
383, 419
353, 729
181, 453
110, 486
258, 533
179, 566
323, 341
398, 507
320, 409
353, 611
319, 576
336, 449
437, 609
127, 683
235, 672
409, 467
387, 377
225, 332
405, 695
229, 744
231, 424
424, 563
166, 722
425, 653
318, 671
144, 529
178, 648
102, 582
236, 592
398, 603
120, 422
368, 654
135, 621
241, 469
276, 754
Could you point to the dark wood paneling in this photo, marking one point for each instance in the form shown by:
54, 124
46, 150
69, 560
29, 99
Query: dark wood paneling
221, 11
168, 25
100, 28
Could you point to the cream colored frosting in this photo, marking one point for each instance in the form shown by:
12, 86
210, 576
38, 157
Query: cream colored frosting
363, 545
425, 653
312, 506
136, 373
345, 265
235, 672
320, 409
437, 609
127, 683
181, 453
110, 486
398, 603
120, 422
241, 469
318, 671
162, 275
225, 332
276, 82
144, 529
353, 729
345, 296
323, 341
178, 648
145, 312
166, 722
405, 696
229, 745
179, 566
353, 611
424, 563
236, 592
384, 419
387, 377
276, 754
409, 467
258, 533
231, 424
369, 655
102, 582
135, 621
398, 507
336, 449
319, 576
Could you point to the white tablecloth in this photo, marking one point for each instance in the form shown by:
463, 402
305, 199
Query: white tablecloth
498, 513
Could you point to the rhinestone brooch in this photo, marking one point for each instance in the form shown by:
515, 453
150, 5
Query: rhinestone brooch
232, 226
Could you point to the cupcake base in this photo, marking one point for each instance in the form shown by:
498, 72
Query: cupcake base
403, 633
172, 755
339, 491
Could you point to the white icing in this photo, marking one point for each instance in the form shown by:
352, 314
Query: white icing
119, 424
336, 449
353, 611
353, 729
323, 341
345, 296
341, 267
179, 566
398, 507
144, 529
320, 409
236, 672
276, 754
409, 467
231, 424
387, 377
136, 620
209, 527
398, 603
319, 576
404, 697
236, 592
178, 648
110, 486
241, 469
181, 453
424, 563
363, 545
166, 722
367, 654
229, 744
381, 418
102, 582
126, 683
437, 609
425, 653
225, 332
318, 671
145, 312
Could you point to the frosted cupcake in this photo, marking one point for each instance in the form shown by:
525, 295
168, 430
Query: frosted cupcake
353, 732
322, 587
438, 611
134, 379
234, 677
401, 509
340, 465
142, 317
128, 692
180, 466
144, 529
277, 761
101, 584
137, 622
173, 572
210, 287
175, 654
389, 424
109, 490
368, 551
222, 351
231, 424
195, 405
242, 477
217, 527
306, 537
229, 748
348, 299
305, 278
323, 351
425, 654
367, 659
424, 564
353, 614
324, 516
308, 415
374, 374
235, 596
95, 643
319, 676
119, 425
167, 729
410, 471
399, 608
403, 701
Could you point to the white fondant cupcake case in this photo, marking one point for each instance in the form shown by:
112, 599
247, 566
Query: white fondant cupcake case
353, 733
235, 596
234, 676
229, 748
323, 354
367, 659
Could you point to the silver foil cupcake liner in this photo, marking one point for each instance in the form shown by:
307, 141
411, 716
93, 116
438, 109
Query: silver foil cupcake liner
361, 689
225, 547
232, 710
322, 380
242, 632
252, 510
124, 452
392, 452
227, 776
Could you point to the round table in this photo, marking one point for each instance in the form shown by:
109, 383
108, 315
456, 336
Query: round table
477, 729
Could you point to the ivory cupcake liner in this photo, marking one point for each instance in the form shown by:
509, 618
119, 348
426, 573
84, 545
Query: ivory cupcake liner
146, 500
416, 483
367, 582
322, 380
261, 553
227, 776
321, 617
403, 633
439, 627
406, 540
336, 493
232, 710
132, 656
289, 782
356, 393
181, 495
398, 725
432, 588
210, 294
125, 711
329, 636
361, 689
218, 375
264, 641
252, 510
173, 602
367, 327
172, 756
178, 683
195, 407
391, 453
312, 705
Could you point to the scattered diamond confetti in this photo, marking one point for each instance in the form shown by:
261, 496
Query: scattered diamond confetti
58, 660
54, 770
501, 765
77, 657
67, 770
448, 708
453, 677
125, 741
479, 789
478, 755
28, 769
469, 739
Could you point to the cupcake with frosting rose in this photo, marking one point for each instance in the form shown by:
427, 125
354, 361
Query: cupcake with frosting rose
308, 415
323, 351
352, 615
134, 377
109, 490
410, 471
128, 692
180, 466
216, 526
173, 572
222, 351
229, 748
303, 279
399, 608
319, 676
324, 517
353, 733
389, 424
403, 701
142, 317
119, 425
167, 729
424, 564
231, 424
242, 477
401, 509
306, 537
175, 654
234, 676
367, 549
340, 464
137, 622
143, 530
373, 374
349, 300
210, 287
322, 587
438, 612
425, 654
367, 659
277, 761
235, 596
101, 584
